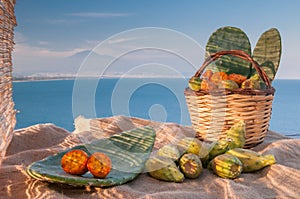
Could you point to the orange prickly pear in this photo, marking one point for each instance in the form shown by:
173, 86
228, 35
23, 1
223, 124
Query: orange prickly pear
207, 74
207, 85
74, 162
99, 164
239, 79
217, 77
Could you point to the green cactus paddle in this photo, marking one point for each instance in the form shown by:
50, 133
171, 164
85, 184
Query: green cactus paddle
267, 52
128, 152
229, 38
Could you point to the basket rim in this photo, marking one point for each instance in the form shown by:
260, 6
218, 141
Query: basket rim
223, 91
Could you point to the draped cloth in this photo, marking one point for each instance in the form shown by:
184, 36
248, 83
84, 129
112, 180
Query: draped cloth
39, 141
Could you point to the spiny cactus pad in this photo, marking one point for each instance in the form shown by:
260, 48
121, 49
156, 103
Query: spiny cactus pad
229, 38
267, 52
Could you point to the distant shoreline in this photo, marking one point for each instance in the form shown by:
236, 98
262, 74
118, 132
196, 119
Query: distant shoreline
32, 79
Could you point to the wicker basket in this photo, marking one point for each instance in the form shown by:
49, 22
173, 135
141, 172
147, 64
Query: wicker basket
7, 112
212, 112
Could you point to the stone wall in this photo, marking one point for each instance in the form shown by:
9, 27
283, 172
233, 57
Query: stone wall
7, 111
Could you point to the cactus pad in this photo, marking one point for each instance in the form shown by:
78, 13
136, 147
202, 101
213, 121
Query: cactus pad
267, 52
229, 38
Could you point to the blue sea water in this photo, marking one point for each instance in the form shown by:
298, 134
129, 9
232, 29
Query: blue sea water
60, 101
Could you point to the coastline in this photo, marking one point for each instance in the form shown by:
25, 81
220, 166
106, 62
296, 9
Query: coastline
54, 78
35, 79
71, 77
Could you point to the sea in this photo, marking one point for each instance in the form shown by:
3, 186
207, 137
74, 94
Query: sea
159, 99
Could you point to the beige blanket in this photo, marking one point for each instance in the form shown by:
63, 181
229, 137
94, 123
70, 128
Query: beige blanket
281, 180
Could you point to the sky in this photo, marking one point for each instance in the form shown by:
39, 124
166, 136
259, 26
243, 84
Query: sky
55, 37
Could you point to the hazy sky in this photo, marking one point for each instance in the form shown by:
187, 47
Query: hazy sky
54, 36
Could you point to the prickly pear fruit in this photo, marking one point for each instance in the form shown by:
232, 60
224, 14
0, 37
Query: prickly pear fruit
190, 165
204, 153
255, 77
220, 147
238, 78
163, 169
228, 84
217, 77
207, 85
253, 82
252, 161
169, 151
236, 135
189, 145
195, 83
74, 162
226, 166
99, 164
207, 75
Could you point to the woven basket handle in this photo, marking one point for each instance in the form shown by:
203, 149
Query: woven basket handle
238, 53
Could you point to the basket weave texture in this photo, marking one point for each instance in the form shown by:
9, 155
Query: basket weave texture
212, 112
7, 112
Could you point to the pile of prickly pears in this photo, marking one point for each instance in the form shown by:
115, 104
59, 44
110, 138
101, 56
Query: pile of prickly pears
222, 80
229, 72
226, 157
175, 162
